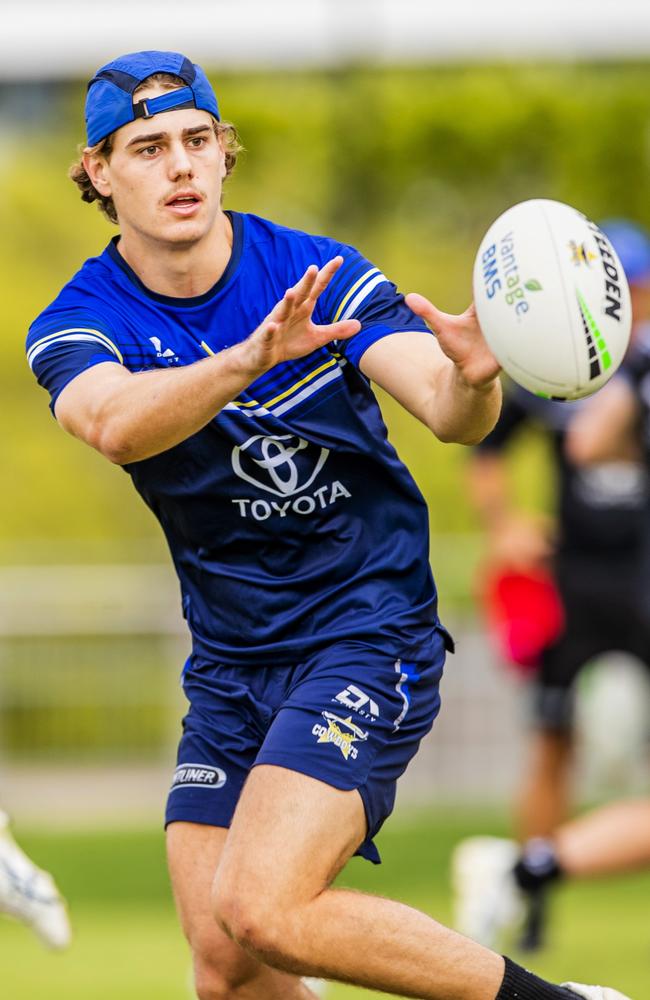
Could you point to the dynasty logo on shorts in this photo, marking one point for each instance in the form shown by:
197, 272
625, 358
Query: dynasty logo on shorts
356, 699
199, 776
341, 732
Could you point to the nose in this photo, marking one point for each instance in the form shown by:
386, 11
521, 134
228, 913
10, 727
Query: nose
180, 163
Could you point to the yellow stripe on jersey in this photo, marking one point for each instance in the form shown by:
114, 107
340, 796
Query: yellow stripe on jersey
283, 395
287, 392
351, 291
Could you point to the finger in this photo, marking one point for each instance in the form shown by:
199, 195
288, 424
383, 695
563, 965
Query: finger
342, 330
433, 316
325, 275
302, 289
289, 302
282, 309
306, 289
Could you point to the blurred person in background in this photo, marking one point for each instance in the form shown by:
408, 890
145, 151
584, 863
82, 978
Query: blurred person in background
593, 548
611, 840
29, 894
616, 837
317, 650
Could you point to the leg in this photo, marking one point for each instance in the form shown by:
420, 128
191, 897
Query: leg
290, 836
489, 903
613, 839
543, 801
222, 970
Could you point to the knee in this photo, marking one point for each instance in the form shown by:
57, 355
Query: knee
220, 976
209, 984
253, 922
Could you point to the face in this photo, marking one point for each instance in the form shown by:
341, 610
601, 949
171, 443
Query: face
165, 175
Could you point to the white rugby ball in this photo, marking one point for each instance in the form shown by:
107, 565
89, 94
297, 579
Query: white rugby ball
552, 299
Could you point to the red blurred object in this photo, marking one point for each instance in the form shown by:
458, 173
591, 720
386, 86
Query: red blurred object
524, 615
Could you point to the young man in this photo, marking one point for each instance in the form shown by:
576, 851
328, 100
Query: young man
599, 527
243, 412
29, 894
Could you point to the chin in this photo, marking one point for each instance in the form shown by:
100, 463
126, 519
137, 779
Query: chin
184, 233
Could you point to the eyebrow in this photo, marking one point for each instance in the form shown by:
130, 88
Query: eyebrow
157, 136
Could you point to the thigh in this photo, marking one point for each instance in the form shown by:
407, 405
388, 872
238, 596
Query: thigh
353, 718
290, 837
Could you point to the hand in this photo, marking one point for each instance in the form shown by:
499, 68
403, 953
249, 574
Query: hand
288, 331
461, 340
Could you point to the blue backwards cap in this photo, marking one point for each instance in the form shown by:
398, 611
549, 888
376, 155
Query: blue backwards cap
632, 244
109, 101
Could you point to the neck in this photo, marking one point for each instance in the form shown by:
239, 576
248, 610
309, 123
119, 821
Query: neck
179, 270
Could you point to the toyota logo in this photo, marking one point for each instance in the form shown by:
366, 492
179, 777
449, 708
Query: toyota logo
280, 465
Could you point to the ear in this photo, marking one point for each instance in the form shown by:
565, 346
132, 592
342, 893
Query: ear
222, 147
96, 166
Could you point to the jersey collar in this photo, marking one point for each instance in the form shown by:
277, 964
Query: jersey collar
237, 222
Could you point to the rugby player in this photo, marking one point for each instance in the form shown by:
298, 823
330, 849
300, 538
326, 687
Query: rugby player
29, 894
225, 362
595, 547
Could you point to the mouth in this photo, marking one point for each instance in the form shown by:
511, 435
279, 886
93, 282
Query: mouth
184, 203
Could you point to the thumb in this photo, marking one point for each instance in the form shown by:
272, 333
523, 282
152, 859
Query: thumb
429, 313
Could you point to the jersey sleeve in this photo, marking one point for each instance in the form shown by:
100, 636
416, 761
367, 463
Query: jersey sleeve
61, 347
360, 291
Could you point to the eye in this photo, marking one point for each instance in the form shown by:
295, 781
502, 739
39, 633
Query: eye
149, 150
197, 141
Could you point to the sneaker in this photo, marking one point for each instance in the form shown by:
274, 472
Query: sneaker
29, 894
317, 986
595, 992
487, 900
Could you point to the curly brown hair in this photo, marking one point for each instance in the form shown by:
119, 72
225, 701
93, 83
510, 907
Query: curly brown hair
89, 193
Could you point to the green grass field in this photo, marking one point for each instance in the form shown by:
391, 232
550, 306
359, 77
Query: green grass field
128, 946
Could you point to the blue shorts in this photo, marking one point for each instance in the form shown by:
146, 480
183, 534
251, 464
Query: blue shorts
350, 715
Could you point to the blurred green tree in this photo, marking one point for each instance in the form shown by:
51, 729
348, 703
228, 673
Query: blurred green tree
411, 165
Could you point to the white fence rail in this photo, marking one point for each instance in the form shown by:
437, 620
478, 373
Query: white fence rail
90, 703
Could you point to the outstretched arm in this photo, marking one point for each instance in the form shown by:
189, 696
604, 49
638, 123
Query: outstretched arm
449, 382
128, 417
605, 428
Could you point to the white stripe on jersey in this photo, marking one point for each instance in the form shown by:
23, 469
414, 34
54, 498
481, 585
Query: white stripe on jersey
276, 406
260, 411
73, 334
276, 411
350, 292
307, 391
363, 295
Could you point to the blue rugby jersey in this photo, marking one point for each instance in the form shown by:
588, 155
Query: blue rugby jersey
290, 519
